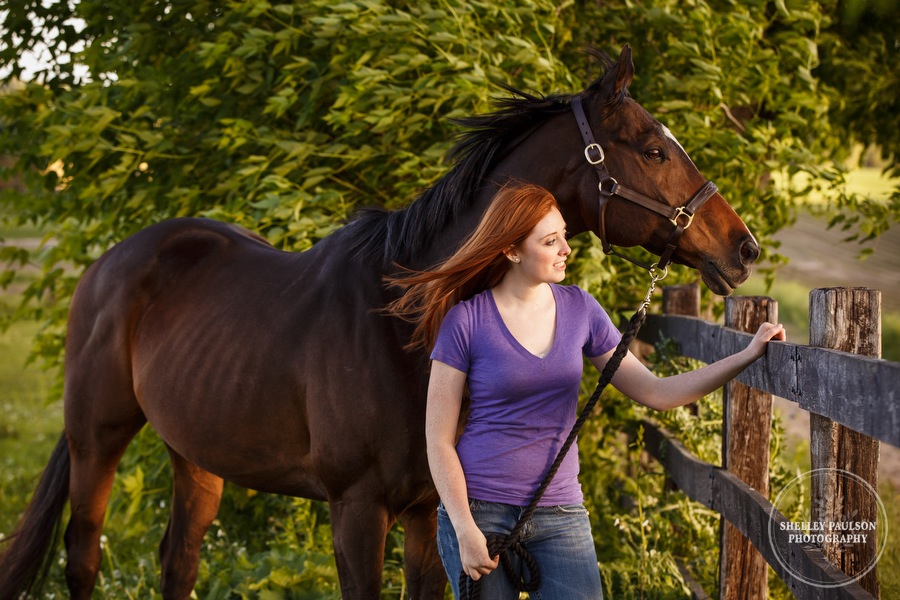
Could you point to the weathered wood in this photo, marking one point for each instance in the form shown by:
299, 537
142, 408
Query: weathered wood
859, 392
746, 429
681, 300
847, 319
754, 516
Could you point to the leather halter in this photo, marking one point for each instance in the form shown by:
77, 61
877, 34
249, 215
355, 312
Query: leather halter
680, 217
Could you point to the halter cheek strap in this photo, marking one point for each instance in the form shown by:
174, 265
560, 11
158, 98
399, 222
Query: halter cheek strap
680, 217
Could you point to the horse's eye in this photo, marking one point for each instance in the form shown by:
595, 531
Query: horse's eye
654, 154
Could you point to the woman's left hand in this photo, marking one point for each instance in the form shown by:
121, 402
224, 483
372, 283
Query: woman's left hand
765, 333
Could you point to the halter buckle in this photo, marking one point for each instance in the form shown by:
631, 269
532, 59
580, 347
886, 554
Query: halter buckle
587, 153
681, 212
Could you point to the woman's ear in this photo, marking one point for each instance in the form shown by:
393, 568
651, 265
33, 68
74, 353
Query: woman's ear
512, 254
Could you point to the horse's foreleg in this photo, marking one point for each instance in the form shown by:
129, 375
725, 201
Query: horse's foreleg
195, 502
359, 529
425, 574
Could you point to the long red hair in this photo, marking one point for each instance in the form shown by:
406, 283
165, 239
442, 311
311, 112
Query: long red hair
478, 265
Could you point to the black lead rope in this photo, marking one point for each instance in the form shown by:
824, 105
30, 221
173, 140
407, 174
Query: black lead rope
502, 545
681, 219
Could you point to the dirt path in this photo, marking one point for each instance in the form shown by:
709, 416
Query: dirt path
820, 258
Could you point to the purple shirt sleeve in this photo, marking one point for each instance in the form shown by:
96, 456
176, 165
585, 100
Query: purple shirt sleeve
603, 334
452, 344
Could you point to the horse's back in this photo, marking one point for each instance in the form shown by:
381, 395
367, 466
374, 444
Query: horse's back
255, 364
142, 337
137, 268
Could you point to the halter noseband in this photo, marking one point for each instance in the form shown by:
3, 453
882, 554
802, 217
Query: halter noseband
680, 217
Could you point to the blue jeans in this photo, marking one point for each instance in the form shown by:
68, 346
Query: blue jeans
558, 537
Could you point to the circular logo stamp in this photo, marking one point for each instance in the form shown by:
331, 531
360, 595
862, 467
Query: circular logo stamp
815, 520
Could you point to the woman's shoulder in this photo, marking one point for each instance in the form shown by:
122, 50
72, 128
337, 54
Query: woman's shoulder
470, 307
576, 300
572, 293
477, 302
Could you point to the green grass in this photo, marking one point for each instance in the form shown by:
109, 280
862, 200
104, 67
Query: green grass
889, 564
10, 230
869, 181
793, 311
18, 233
29, 424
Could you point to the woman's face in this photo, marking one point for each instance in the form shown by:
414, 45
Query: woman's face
542, 256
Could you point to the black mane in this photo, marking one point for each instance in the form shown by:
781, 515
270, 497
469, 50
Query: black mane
399, 235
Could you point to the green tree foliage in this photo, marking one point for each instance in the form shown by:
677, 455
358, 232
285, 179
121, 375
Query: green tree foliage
859, 48
285, 117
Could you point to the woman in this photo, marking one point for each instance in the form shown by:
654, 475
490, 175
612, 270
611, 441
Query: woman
501, 328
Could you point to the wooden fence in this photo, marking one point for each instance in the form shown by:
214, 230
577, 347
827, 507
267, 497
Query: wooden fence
852, 397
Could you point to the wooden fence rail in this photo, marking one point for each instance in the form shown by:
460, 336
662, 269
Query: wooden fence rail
859, 392
846, 393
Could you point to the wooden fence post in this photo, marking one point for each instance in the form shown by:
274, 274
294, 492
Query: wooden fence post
746, 428
847, 319
683, 300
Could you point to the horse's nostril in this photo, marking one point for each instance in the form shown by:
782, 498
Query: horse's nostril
749, 251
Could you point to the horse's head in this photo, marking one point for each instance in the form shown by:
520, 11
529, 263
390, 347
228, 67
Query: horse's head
642, 164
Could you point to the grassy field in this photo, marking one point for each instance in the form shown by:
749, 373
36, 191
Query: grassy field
30, 417
30, 421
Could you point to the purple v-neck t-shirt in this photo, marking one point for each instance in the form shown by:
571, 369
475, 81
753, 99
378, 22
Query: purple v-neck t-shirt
522, 406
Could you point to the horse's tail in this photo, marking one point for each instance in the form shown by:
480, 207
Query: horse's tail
25, 563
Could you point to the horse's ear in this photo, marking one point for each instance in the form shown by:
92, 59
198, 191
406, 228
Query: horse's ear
619, 76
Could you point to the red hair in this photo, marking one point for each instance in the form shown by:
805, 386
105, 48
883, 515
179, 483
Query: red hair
478, 265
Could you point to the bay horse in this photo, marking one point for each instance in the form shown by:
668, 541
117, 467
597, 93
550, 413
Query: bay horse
280, 371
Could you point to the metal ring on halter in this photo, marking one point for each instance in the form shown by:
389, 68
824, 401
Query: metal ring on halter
653, 270
612, 188
594, 146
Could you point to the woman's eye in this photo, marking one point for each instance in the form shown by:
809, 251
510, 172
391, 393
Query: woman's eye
653, 154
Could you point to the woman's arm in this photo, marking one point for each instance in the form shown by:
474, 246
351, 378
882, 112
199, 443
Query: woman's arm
445, 393
662, 393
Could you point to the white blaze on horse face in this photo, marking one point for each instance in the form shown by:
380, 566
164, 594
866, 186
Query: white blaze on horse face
674, 139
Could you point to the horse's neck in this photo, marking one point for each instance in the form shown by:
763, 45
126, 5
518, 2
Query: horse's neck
446, 242
550, 156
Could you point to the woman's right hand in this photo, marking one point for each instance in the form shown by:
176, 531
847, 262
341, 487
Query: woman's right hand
473, 553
